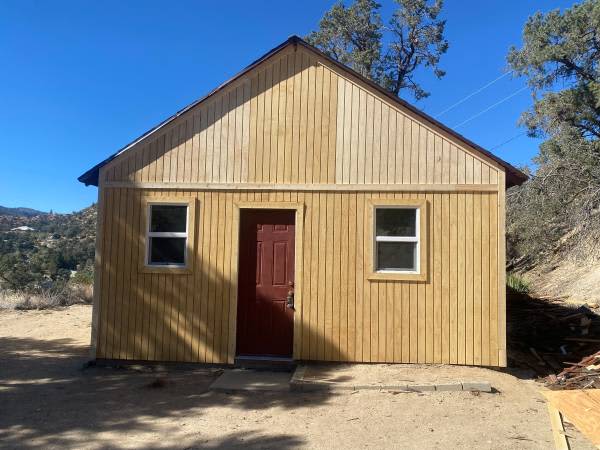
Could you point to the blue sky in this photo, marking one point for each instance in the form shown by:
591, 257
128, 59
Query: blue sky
80, 79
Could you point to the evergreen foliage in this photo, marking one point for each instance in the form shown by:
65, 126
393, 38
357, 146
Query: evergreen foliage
60, 248
558, 208
389, 55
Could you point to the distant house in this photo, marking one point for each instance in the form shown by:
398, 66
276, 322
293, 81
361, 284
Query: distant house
299, 211
22, 228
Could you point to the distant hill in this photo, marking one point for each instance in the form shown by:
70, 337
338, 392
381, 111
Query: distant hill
24, 212
43, 248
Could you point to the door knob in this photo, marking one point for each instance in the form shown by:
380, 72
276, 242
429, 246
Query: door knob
290, 299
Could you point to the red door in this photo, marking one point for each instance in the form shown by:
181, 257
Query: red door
265, 320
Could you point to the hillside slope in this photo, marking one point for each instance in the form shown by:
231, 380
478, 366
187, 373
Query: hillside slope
568, 278
53, 248
27, 212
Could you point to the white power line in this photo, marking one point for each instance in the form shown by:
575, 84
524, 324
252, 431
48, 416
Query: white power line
491, 107
508, 140
523, 132
464, 99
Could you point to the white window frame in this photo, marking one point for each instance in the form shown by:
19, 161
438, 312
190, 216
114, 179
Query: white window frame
415, 239
166, 234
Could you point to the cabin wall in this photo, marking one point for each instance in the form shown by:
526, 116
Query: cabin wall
296, 119
456, 316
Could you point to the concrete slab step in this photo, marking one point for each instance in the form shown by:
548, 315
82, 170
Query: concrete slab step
300, 382
265, 363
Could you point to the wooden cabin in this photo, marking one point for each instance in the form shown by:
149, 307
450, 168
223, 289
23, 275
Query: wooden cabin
299, 211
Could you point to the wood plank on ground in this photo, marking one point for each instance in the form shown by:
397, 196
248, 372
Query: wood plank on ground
558, 431
581, 407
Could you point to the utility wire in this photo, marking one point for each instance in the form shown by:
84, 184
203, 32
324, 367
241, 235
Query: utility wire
477, 91
508, 140
491, 107
523, 132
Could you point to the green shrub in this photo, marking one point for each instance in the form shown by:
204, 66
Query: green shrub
84, 276
517, 283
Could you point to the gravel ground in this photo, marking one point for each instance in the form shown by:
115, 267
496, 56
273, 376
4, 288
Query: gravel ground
47, 400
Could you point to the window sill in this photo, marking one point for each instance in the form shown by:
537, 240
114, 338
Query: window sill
166, 270
398, 276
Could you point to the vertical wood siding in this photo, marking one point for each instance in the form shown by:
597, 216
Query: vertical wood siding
454, 317
294, 120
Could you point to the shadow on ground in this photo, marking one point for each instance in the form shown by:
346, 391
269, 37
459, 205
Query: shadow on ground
246, 440
49, 400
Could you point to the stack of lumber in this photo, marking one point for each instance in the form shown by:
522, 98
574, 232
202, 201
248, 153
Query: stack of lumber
582, 375
549, 335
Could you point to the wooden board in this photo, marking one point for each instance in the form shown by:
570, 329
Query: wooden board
581, 407
558, 430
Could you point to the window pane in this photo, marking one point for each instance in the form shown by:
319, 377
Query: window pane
167, 250
396, 255
168, 218
396, 221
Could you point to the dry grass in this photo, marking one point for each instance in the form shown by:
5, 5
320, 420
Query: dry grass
569, 279
70, 294
517, 283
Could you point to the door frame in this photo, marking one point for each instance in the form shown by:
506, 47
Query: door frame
298, 207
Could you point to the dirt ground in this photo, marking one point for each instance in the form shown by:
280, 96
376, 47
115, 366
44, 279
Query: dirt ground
47, 400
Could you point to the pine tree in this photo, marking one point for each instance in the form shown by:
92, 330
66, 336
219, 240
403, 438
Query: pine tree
354, 35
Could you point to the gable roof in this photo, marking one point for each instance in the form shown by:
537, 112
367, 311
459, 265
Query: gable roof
514, 176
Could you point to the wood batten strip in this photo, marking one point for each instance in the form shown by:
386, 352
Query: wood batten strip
306, 187
98, 271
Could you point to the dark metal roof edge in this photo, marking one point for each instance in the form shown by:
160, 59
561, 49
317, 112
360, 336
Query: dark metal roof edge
514, 175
